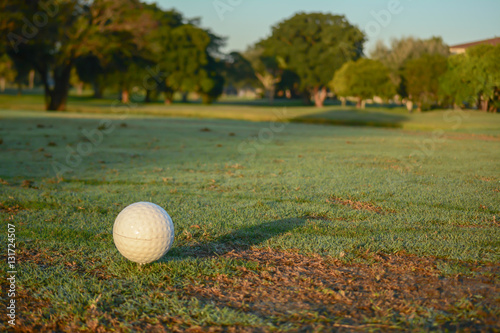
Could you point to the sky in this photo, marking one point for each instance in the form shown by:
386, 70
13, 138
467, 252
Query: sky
245, 22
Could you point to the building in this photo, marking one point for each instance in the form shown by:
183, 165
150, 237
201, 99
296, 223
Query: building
458, 49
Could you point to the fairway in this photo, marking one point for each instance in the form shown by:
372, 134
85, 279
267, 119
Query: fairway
278, 225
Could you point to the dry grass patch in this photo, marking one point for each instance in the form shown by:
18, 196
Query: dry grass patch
10, 208
359, 205
315, 291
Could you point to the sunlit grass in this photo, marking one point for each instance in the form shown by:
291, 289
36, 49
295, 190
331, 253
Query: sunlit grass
470, 122
336, 191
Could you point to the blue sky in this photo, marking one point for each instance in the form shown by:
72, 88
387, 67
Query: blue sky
246, 21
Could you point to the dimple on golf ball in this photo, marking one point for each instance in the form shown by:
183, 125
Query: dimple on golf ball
143, 232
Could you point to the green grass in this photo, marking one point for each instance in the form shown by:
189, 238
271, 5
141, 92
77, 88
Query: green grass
283, 111
232, 185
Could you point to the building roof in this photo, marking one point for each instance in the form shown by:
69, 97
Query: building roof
492, 41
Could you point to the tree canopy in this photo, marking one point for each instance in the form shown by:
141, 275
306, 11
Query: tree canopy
403, 50
364, 78
189, 64
421, 78
61, 32
266, 69
114, 42
238, 71
474, 78
314, 46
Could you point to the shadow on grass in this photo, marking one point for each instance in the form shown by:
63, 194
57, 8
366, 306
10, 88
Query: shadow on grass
238, 240
353, 117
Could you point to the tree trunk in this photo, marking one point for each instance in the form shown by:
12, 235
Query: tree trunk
319, 96
409, 106
31, 79
269, 83
3, 81
45, 79
271, 91
343, 101
147, 99
58, 100
169, 97
359, 103
495, 103
58, 96
484, 104
79, 88
185, 97
98, 90
125, 96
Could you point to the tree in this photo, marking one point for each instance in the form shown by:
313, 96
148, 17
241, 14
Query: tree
238, 71
290, 84
63, 31
421, 77
266, 70
154, 81
364, 78
211, 85
90, 71
314, 46
403, 50
454, 85
123, 70
189, 63
474, 77
484, 68
407, 48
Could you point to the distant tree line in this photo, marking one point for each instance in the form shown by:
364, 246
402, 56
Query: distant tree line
424, 73
128, 44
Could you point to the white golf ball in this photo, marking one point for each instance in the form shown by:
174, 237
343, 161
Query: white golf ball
143, 232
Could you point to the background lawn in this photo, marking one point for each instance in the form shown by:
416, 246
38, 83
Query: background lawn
282, 110
279, 225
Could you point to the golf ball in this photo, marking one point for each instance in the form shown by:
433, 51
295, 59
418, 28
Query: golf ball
143, 232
